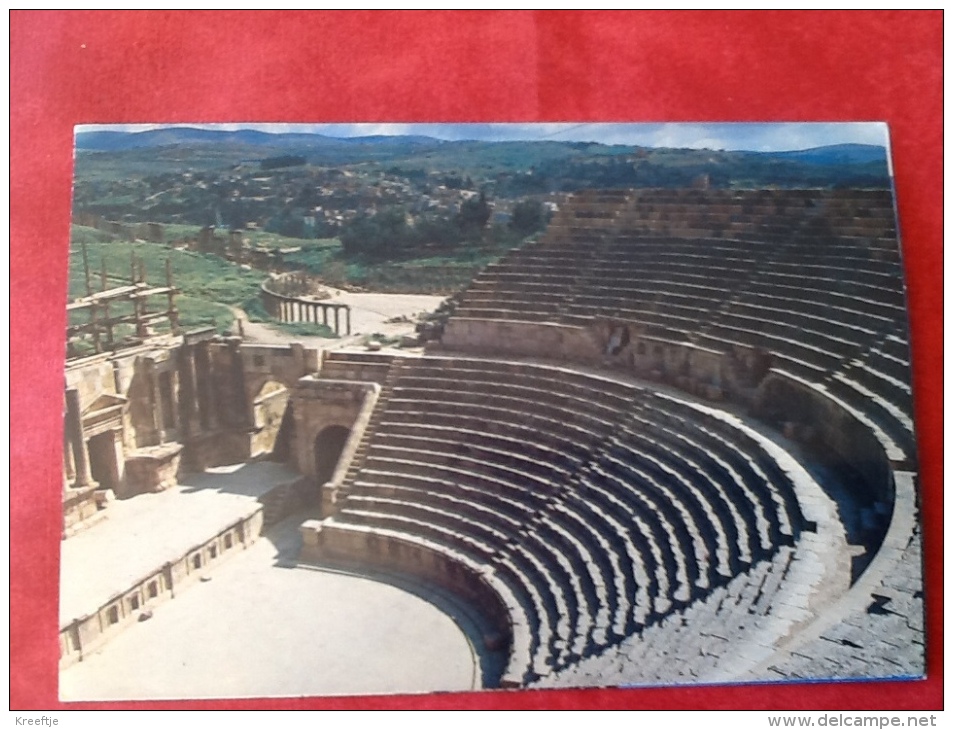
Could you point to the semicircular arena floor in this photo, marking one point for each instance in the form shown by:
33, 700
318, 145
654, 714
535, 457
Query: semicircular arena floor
263, 626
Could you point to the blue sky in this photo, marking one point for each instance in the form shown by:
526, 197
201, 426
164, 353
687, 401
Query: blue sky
760, 137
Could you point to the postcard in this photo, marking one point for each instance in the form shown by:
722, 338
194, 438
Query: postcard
409, 408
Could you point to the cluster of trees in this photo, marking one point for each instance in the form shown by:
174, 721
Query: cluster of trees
292, 223
273, 163
528, 217
391, 232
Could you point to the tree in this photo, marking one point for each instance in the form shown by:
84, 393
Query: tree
376, 236
527, 217
474, 213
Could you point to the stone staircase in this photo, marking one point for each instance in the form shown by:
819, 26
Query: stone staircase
387, 389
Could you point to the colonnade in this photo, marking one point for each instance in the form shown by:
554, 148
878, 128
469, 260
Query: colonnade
292, 309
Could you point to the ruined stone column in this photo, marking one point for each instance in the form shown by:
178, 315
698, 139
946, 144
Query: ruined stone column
337, 325
324, 314
208, 387
347, 314
174, 384
187, 384
246, 407
74, 430
69, 468
158, 421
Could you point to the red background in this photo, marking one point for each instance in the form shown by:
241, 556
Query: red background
70, 68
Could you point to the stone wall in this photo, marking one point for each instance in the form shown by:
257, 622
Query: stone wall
325, 542
282, 363
528, 339
813, 417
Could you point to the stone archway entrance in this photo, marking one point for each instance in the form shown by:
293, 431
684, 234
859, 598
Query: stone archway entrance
328, 445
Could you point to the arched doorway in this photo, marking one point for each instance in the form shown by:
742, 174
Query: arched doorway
328, 445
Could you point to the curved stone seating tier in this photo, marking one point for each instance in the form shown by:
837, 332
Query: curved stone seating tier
735, 518
467, 480
877, 312
635, 535
710, 640
882, 261
646, 501
371, 507
823, 349
797, 278
525, 311
497, 297
596, 416
571, 489
789, 355
892, 418
641, 542
542, 462
583, 390
885, 375
673, 325
718, 268
522, 475
854, 272
570, 441
897, 348
498, 513
714, 311
803, 315
666, 466
488, 404
753, 470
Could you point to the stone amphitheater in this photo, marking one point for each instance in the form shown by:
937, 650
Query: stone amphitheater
670, 441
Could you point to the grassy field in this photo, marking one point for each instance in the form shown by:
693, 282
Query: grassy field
418, 276
209, 285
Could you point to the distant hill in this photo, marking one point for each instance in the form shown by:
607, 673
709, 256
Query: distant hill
836, 154
839, 154
511, 169
107, 141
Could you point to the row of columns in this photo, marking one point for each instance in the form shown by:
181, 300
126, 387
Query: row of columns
198, 396
298, 310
